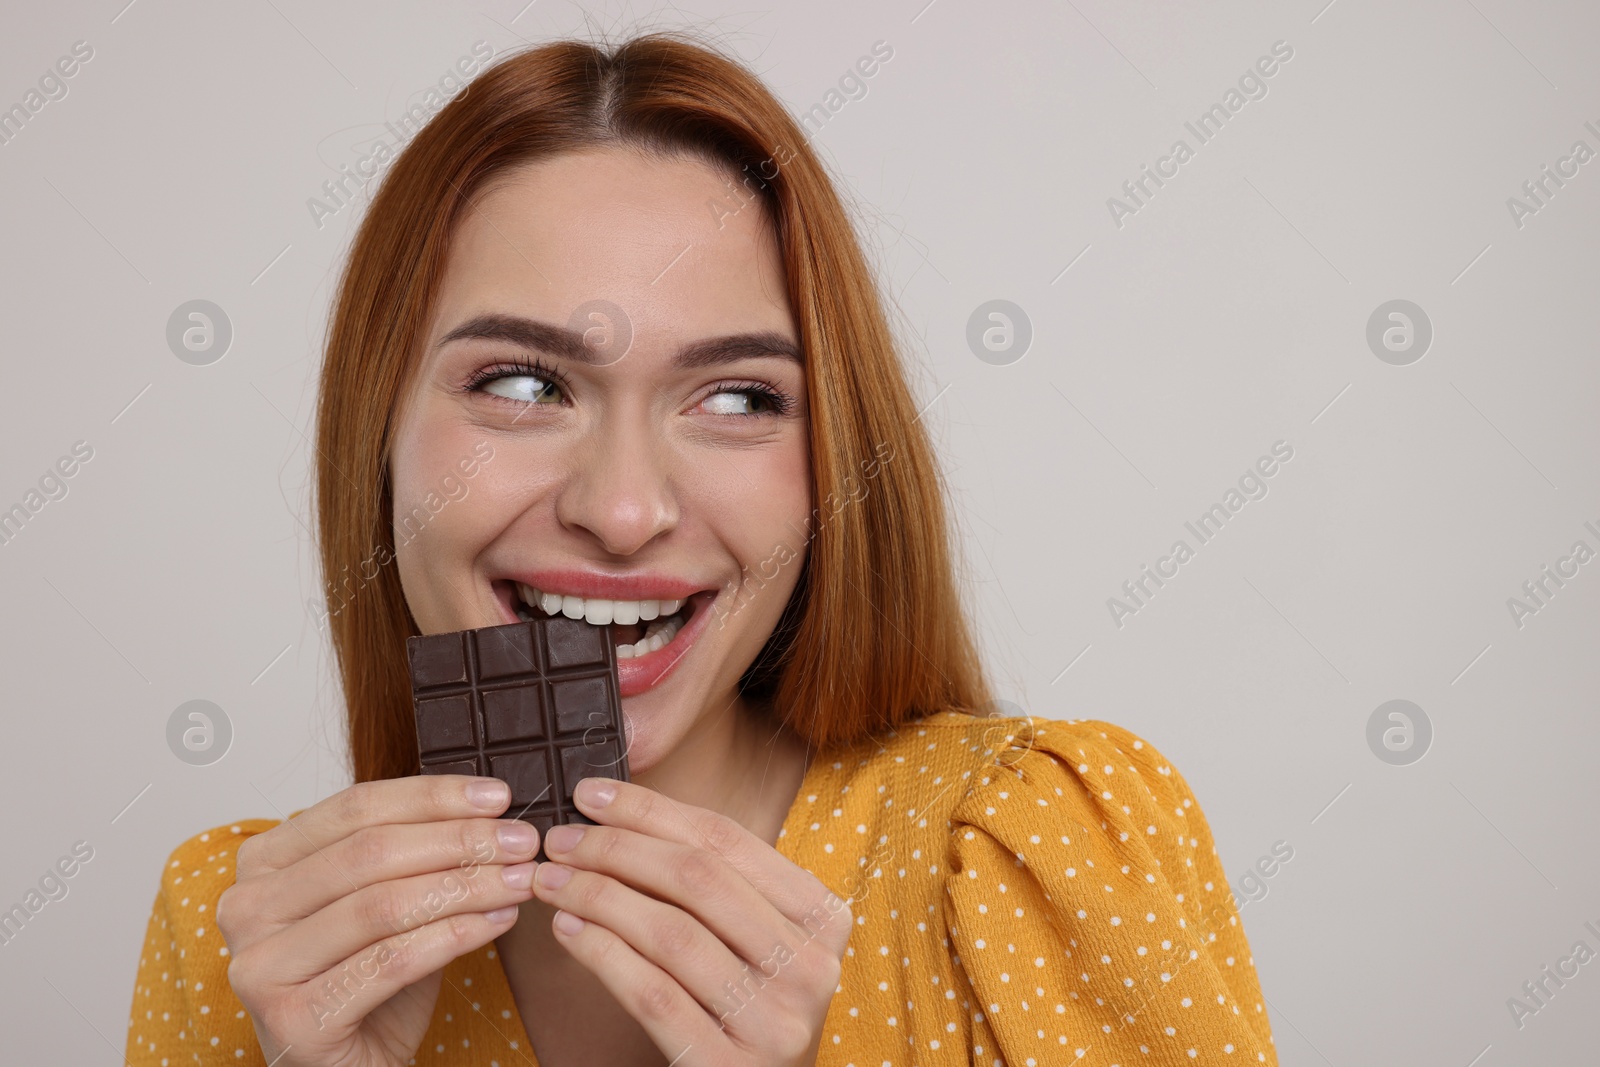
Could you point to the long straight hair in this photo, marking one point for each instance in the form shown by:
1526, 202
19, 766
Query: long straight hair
874, 635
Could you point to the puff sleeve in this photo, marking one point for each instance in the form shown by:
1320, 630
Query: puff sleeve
1089, 912
184, 1011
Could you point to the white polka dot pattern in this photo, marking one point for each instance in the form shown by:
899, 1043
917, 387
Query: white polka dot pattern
1024, 892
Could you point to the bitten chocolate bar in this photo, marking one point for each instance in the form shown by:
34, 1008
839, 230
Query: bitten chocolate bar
534, 704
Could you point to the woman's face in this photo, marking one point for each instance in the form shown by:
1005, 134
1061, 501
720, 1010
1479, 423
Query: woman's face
609, 420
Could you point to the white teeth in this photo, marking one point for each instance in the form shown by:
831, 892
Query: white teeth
598, 612
657, 635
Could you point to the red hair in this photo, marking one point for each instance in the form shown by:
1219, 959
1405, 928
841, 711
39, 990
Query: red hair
875, 634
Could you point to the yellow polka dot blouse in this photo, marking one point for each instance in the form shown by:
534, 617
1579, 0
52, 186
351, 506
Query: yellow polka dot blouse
1025, 892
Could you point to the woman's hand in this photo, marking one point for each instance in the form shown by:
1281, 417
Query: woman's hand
341, 919
724, 951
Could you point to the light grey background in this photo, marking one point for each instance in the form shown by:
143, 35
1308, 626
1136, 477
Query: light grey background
1168, 354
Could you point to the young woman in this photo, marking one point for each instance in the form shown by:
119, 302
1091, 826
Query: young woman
606, 345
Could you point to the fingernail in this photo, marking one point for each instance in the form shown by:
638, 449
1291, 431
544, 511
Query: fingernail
567, 923
563, 838
488, 793
518, 876
595, 792
501, 915
553, 875
516, 836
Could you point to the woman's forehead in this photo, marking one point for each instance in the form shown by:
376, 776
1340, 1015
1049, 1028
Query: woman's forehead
620, 210
663, 240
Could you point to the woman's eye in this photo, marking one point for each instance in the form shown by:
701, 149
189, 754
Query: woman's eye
737, 402
524, 387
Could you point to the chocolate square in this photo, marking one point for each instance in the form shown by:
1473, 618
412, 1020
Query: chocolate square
444, 723
534, 703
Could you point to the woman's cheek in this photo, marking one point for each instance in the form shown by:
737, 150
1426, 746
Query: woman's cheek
439, 523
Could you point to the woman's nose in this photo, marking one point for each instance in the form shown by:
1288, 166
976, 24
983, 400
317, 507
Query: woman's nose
621, 491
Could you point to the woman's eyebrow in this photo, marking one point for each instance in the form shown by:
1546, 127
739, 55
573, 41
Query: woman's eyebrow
556, 340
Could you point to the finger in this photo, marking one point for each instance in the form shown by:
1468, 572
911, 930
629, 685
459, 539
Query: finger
420, 798
701, 922
679, 1026
692, 879
668, 936
339, 998
797, 893
389, 909
376, 854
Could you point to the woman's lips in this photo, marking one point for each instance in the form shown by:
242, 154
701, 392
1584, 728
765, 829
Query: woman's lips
636, 674
640, 673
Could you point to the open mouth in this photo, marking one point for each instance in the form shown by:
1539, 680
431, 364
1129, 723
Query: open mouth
652, 637
638, 627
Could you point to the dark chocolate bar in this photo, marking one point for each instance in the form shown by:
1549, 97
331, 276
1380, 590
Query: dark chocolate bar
534, 704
